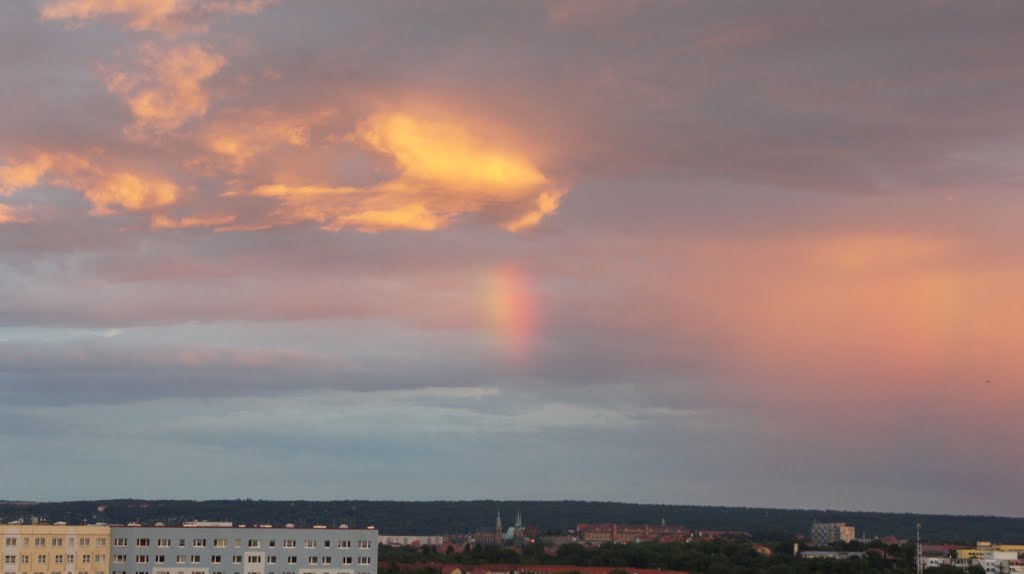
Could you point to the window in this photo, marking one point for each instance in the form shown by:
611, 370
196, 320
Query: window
58, 559
142, 559
83, 541
10, 559
11, 542
220, 542
180, 559
195, 559
164, 543
346, 559
160, 559
310, 544
142, 541
24, 559
57, 542
40, 542
327, 543
181, 543
119, 542
101, 542
254, 543
254, 559
289, 544
101, 557
41, 559
271, 559
238, 542
364, 559
345, 544
311, 560
293, 560
119, 558
215, 559
199, 543
273, 543
364, 543
236, 559
326, 560
85, 558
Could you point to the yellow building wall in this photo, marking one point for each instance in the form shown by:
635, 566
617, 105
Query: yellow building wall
968, 553
54, 549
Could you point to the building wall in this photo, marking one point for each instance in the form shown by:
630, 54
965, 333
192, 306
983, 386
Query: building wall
55, 549
239, 550
830, 532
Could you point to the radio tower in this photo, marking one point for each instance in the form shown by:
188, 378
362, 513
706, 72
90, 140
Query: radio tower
919, 551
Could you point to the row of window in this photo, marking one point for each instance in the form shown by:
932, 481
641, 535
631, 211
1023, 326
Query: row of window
223, 543
216, 559
169, 572
59, 559
41, 541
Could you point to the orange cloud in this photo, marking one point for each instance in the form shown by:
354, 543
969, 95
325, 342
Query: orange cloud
23, 175
160, 221
169, 92
163, 15
123, 191
442, 172
108, 191
242, 137
9, 214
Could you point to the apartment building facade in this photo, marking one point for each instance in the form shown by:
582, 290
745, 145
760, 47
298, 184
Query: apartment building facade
823, 533
224, 549
55, 549
238, 550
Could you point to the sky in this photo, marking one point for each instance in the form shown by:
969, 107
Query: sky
682, 252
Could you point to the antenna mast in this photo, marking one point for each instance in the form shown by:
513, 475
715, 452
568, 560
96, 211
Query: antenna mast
920, 552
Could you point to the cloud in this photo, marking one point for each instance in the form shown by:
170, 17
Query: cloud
442, 172
160, 15
109, 191
160, 221
241, 136
10, 214
14, 177
169, 91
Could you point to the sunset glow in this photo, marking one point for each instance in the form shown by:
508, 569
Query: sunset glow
499, 245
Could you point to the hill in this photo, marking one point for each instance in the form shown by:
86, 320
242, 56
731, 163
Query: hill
451, 517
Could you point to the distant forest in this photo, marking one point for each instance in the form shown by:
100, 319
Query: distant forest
451, 517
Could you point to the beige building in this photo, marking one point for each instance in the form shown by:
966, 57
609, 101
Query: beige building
824, 533
55, 549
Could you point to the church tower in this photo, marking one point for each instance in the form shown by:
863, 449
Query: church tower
497, 526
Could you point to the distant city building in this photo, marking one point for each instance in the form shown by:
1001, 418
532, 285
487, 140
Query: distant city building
824, 533
411, 540
545, 569
830, 555
625, 533
516, 535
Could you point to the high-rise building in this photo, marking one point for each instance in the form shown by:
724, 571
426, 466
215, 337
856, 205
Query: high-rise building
823, 533
239, 550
